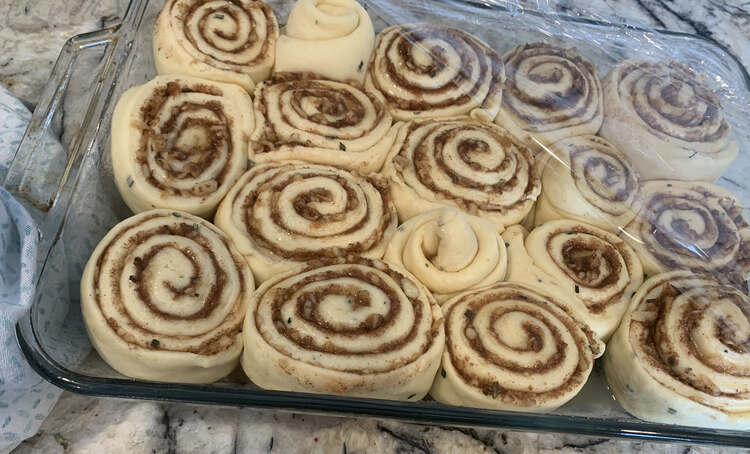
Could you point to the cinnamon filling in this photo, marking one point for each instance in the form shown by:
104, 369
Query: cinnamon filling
135, 334
307, 302
180, 159
273, 180
578, 102
230, 14
407, 40
461, 363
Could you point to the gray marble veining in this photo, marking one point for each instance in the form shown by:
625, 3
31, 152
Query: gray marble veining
31, 35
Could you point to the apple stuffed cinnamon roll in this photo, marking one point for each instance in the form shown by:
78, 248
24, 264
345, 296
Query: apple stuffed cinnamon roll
331, 39
427, 70
587, 179
221, 40
163, 297
665, 118
349, 326
691, 226
179, 143
322, 122
460, 162
550, 93
513, 347
449, 251
282, 215
682, 353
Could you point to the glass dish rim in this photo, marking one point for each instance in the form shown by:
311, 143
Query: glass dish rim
438, 414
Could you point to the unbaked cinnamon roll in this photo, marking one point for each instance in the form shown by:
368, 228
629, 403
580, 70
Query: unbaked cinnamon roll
180, 143
587, 179
513, 347
682, 353
691, 226
670, 124
230, 41
163, 297
550, 93
449, 251
463, 163
427, 70
282, 215
322, 122
351, 326
332, 39
589, 264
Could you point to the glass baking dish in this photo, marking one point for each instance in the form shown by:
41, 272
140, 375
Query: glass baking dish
62, 172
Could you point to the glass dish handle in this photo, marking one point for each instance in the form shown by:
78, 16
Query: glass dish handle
47, 165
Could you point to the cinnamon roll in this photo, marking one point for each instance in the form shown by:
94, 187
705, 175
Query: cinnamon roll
351, 326
322, 122
163, 297
281, 215
682, 353
449, 251
550, 93
231, 41
587, 179
180, 143
691, 225
670, 124
590, 264
332, 39
459, 162
427, 70
513, 347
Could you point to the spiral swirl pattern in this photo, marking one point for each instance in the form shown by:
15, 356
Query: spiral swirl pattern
551, 93
463, 163
691, 225
179, 143
280, 215
351, 326
435, 71
231, 41
163, 297
512, 347
590, 264
667, 121
588, 180
449, 251
322, 122
682, 354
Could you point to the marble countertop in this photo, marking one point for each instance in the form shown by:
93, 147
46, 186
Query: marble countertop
31, 35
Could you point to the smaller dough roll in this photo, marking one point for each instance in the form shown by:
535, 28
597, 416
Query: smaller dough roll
511, 346
586, 263
682, 353
697, 226
668, 122
221, 40
282, 215
449, 251
551, 93
427, 70
331, 39
351, 326
180, 142
163, 296
587, 179
322, 122
459, 162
